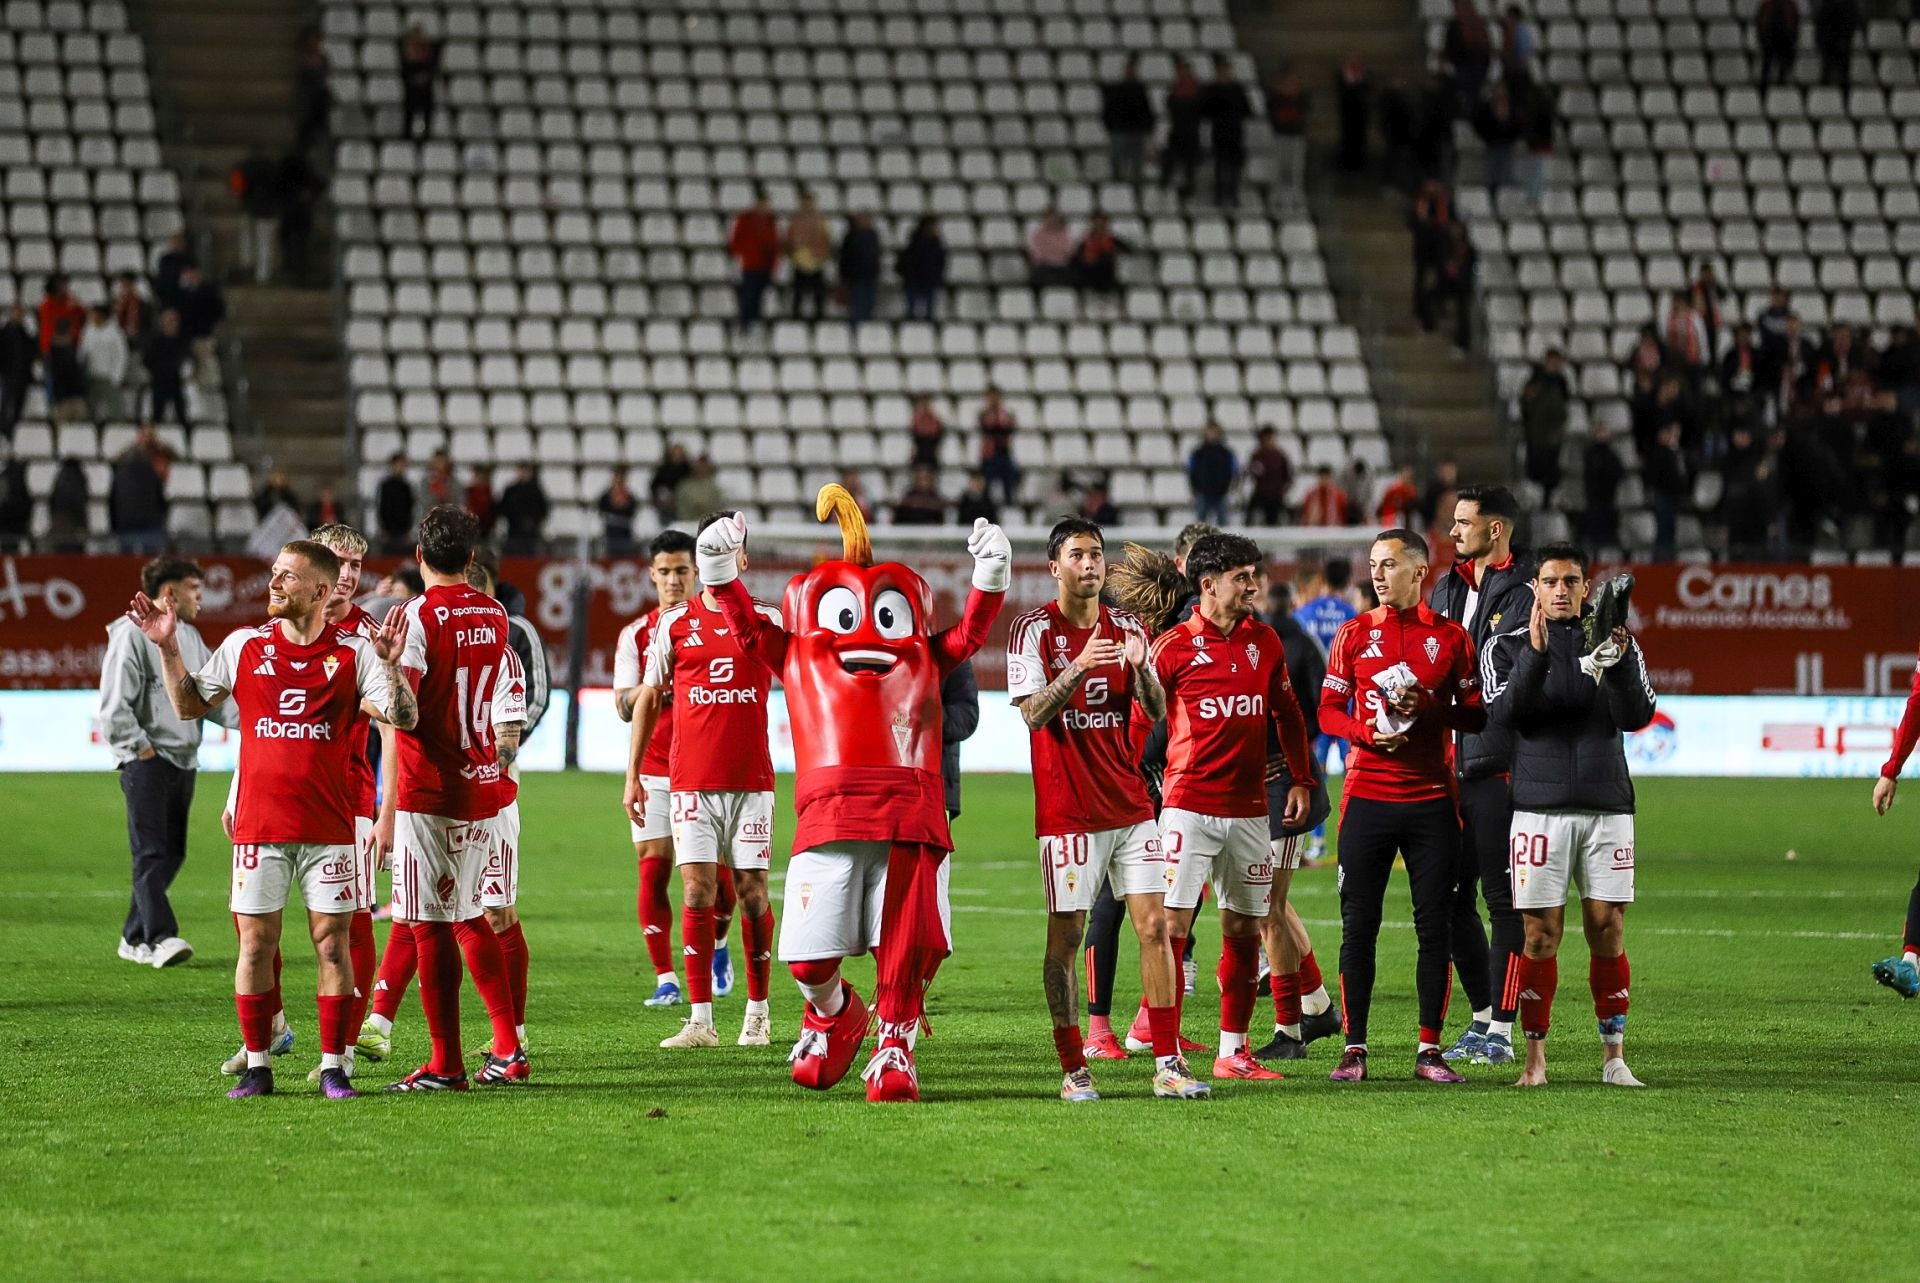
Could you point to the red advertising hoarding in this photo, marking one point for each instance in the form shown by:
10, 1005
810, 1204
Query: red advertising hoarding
1706, 629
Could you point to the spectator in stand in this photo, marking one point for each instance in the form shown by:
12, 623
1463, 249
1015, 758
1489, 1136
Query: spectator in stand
325, 509
1453, 283
1271, 474
524, 508
300, 191
105, 358
67, 517
1545, 405
1686, 336
1840, 359
166, 356
921, 505
1211, 470
1709, 296
1050, 251
1519, 42
997, 426
394, 504
1749, 496
137, 503
754, 242
132, 313
1772, 319
929, 430
19, 351
1739, 376
1835, 24
699, 492
1664, 473
439, 483
256, 182
664, 485
1433, 121
1431, 217
479, 499
1601, 473
173, 260
975, 502
1537, 113
1126, 113
859, 267
922, 267
1466, 53
1788, 367
1400, 501
66, 376
1097, 504
16, 505
1436, 503
1287, 107
1326, 503
59, 310
1096, 259
618, 508
312, 91
809, 247
202, 308
1499, 129
1180, 154
274, 492
1353, 97
1226, 107
1776, 29
419, 77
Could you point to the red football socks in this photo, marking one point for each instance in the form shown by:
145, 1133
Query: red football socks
513, 947
1609, 978
336, 1012
656, 913
724, 898
256, 1018
1165, 1024
439, 956
1070, 1047
1310, 978
366, 962
487, 964
1539, 977
1239, 965
758, 931
396, 969
1286, 999
696, 947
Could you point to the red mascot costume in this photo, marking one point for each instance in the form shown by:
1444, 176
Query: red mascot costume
862, 668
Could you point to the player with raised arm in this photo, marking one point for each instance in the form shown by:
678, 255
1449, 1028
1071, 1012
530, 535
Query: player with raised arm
722, 790
1901, 972
449, 790
1570, 684
1225, 677
1400, 681
1075, 669
301, 685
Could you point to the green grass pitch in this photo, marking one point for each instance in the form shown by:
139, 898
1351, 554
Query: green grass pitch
1776, 1141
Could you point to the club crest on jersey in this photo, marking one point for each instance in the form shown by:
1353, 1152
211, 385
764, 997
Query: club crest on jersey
1253, 653
1073, 879
1432, 647
902, 731
330, 665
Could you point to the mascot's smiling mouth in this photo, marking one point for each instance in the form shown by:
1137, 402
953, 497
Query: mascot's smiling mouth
869, 663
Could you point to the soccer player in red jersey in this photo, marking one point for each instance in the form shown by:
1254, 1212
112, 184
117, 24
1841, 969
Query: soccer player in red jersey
1400, 680
1901, 971
449, 788
1225, 676
1075, 669
722, 791
300, 684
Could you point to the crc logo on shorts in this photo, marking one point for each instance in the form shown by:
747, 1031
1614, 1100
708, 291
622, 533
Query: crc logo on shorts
757, 830
1623, 857
720, 669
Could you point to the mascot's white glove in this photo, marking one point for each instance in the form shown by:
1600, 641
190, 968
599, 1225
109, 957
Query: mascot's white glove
1604, 656
717, 552
992, 556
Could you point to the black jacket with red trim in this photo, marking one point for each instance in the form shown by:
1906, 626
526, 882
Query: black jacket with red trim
1506, 599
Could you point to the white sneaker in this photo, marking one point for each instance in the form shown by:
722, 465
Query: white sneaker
170, 952
140, 953
756, 1030
1614, 1073
693, 1033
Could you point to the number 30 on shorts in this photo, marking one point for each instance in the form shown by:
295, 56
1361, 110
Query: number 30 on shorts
1071, 849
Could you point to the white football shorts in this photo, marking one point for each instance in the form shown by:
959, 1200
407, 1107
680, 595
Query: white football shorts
1073, 865
1592, 852
500, 880
833, 899
658, 809
725, 826
1287, 853
437, 863
328, 874
1232, 854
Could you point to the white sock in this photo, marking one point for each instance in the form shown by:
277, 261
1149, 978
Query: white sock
1231, 1043
1291, 1031
380, 1024
701, 1013
1500, 1028
1165, 1062
756, 1006
667, 978
330, 1061
1484, 1016
259, 1060
1429, 1046
519, 1033
1314, 1003
1356, 1046
827, 999
1912, 958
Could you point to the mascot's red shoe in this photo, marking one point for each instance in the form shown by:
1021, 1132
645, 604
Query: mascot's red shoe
890, 1074
828, 1044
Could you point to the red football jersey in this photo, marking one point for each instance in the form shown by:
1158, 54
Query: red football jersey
455, 653
1441, 655
366, 790
1084, 777
629, 666
299, 708
1222, 690
721, 691
1908, 734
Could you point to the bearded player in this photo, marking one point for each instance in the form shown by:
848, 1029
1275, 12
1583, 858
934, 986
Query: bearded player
862, 668
1225, 675
1075, 669
301, 685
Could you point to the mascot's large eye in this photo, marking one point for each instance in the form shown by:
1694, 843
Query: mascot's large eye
838, 610
892, 615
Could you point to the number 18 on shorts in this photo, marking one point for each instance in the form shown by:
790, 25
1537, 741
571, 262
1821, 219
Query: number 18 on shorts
1073, 865
1548, 852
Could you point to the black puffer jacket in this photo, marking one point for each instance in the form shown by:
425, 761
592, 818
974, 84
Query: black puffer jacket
1568, 754
1506, 599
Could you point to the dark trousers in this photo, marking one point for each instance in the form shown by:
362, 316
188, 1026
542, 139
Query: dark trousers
1102, 946
165, 394
13, 401
1266, 511
1002, 474
1427, 834
1776, 64
1227, 168
159, 795
809, 295
863, 297
416, 112
1486, 820
1178, 167
753, 293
